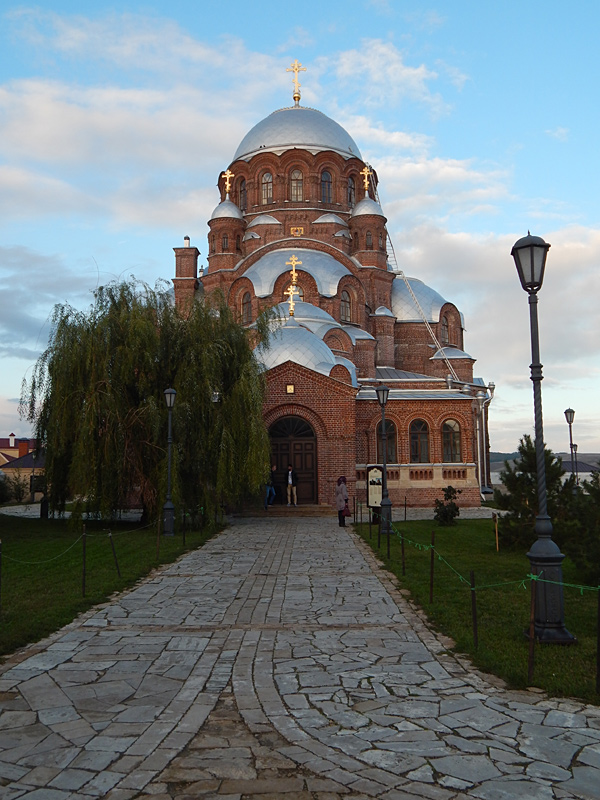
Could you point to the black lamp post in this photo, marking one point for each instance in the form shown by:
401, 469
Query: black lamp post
169, 508
576, 467
570, 416
545, 557
385, 515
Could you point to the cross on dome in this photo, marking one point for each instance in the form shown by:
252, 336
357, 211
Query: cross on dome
296, 67
290, 292
293, 262
366, 173
228, 175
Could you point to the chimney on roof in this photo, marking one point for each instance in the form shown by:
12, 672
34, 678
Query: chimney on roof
23, 447
11, 440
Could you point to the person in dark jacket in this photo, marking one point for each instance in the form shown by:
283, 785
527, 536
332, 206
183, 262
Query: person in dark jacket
270, 493
292, 482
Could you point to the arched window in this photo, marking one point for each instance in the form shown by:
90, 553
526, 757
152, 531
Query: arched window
351, 193
369, 241
444, 330
212, 244
243, 195
356, 244
246, 309
225, 243
419, 442
451, 441
238, 243
381, 241
267, 188
296, 186
326, 187
300, 294
345, 307
390, 438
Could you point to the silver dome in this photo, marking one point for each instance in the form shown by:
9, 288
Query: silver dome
383, 311
404, 307
264, 219
296, 127
331, 218
293, 342
451, 352
367, 206
227, 210
326, 271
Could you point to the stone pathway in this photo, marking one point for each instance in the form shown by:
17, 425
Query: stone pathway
279, 661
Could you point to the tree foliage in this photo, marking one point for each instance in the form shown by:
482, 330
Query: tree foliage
447, 510
520, 502
96, 401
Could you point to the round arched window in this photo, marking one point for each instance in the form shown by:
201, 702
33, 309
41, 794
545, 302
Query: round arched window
326, 187
419, 442
267, 188
451, 441
345, 307
246, 309
296, 183
390, 443
242, 195
351, 193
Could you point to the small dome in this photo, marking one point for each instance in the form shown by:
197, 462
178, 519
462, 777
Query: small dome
451, 352
404, 307
227, 210
382, 311
264, 219
367, 206
296, 128
331, 218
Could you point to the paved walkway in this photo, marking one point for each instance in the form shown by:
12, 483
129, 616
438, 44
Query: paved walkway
278, 661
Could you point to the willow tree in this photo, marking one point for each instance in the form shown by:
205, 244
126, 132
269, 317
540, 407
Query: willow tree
96, 401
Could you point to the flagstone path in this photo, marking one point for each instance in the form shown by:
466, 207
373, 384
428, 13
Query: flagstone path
279, 661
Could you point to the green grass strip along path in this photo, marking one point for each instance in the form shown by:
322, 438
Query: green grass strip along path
42, 568
502, 581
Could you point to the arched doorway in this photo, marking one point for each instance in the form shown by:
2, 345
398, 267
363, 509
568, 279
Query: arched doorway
293, 441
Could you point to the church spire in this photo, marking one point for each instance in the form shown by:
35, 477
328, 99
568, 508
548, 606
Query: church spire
296, 67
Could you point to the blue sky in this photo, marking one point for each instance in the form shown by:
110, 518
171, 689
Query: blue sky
481, 120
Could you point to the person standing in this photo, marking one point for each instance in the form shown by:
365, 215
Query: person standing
292, 483
270, 493
341, 500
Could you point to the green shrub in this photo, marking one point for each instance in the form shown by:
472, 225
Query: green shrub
447, 510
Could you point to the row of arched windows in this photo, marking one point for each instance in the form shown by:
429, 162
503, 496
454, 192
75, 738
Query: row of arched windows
296, 189
418, 434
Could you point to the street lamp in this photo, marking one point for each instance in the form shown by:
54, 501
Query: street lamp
385, 514
570, 416
169, 508
530, 255
576, 467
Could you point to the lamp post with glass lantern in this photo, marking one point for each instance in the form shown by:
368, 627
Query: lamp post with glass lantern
385, 513
169, 508
545, 558
570, 416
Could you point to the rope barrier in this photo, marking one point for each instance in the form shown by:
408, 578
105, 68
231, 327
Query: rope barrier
47, 560
522, 582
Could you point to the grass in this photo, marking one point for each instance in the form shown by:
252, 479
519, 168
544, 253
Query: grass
42, 570
502, 610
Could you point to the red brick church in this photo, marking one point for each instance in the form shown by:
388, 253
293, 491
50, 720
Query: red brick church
299, 226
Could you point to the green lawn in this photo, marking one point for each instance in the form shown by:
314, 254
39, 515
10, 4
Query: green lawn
503, 610
42, 570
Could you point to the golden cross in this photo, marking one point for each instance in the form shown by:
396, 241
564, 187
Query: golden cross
293, 262
290, 292
366, 173
296, 67
228, 176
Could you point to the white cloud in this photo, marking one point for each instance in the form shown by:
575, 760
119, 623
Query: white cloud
383, 76
562, 134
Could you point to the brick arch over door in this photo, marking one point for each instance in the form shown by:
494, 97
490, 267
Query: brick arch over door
293, 441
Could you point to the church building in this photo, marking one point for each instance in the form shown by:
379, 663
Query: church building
299, 226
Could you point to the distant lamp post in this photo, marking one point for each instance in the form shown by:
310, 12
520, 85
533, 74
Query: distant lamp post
570, 416
530, 255
169, 508
576, 465
385, 515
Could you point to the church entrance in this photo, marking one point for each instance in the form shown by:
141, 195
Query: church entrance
293, 441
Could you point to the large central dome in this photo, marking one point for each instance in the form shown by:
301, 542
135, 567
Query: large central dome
297, 127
